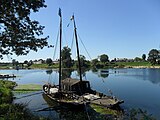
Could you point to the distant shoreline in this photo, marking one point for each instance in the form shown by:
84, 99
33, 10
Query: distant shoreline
158, 67
98, 66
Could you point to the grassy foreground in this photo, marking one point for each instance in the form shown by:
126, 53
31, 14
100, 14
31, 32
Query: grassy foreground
9, 111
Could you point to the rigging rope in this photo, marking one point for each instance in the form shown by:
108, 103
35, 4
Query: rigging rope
56, 46
65, 38
72, 41
84, 47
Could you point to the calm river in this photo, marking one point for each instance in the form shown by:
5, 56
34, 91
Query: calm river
139, 88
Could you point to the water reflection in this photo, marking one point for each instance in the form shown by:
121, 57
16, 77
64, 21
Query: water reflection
154, 75
104, 74
49, 71
94, 69
83, 71
101, 73
66, 73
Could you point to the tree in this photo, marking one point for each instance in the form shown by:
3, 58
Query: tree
25, 62
144, 57
14, 62
66, 57
30, 63
84, 63
49, 61
104, 58
137, 59
18, 33
82, 60
94, 62
17, 63
153, 56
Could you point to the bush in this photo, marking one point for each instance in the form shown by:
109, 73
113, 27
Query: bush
10, 111
6, 95
7, 84
16, 112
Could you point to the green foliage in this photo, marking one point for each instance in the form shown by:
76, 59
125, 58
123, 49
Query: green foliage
137, 59
29, 63
6, 95
66, 57
144, 57
18, 33
153, 56
8, 84
83, 62
10, 111
17, 112
104, 58
49, 61
94, 62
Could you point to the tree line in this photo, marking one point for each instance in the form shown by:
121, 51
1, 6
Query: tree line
100, 62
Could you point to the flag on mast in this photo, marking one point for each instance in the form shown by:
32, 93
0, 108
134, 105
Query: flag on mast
72, 17
59, 12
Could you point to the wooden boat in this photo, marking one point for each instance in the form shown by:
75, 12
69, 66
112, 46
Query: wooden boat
56, 92
82, 88
76, 92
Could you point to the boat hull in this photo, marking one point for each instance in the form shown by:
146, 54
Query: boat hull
61, 99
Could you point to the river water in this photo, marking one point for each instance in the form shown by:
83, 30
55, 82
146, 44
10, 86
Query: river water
139, 88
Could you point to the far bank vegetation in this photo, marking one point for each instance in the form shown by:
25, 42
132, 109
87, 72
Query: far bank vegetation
101, 62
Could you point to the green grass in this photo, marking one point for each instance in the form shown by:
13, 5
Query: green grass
6, 66
28, 87
133, 63
44, 66
104, 110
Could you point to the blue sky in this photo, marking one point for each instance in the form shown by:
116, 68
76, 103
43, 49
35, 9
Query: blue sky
118, 28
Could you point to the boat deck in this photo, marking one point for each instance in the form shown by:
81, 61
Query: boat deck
107, 102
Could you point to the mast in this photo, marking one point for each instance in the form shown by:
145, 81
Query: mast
60, 58
79, 63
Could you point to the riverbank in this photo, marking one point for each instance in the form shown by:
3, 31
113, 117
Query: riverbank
158, 67
143, 64
135, 65
10, 111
